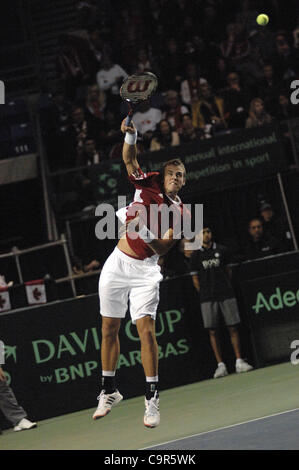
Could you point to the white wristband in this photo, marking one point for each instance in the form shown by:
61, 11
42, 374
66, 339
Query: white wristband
131, 139
146, 235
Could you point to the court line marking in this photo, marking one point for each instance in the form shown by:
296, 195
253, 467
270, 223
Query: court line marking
220, 429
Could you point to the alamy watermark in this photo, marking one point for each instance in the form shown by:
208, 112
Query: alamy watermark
2, 92
158, 219
295, 95
2, 353
295, 354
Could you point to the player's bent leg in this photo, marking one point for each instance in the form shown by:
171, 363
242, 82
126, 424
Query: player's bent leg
149, 357
109, 396
110, 343
149, 347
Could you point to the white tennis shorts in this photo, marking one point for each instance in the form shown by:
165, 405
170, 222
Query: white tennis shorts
126, 279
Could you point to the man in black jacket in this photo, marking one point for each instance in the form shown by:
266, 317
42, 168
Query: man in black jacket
261, 244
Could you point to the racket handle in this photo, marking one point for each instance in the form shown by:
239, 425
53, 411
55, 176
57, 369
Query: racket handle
128, 120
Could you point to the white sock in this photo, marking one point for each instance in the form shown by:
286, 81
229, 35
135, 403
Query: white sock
108, 373
152, 379
239, 361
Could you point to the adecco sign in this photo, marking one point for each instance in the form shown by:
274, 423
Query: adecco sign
272, 305
272, 295
277, 301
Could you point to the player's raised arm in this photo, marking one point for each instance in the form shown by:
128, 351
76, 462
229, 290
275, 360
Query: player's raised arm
129, 148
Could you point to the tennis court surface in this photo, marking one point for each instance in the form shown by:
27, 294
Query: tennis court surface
256, 410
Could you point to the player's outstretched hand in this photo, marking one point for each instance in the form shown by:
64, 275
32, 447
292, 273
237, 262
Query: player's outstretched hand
131, 128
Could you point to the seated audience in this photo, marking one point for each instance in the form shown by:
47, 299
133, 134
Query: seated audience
260, 244
209, 110
146, 119
189, 132
190, 87
164, 136
236, 101
174, 110
257, 114
268, 88
275, 226
95, 103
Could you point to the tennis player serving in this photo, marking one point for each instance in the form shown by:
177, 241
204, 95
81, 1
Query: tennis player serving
132, 273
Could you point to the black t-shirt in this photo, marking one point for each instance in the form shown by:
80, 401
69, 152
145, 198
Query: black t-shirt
210, 264
266, 246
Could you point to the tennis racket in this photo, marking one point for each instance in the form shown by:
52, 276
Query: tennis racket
136, 89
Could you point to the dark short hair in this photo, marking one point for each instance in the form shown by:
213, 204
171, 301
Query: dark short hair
174, 161
255, 218
186, 114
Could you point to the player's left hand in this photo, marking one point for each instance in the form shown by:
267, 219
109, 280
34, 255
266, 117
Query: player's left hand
131, 129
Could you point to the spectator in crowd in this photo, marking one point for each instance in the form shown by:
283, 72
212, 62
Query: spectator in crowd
164, 136
257, 114
275, 226
235, 47
209, 110
72, 65
247, 16
211, 278
88, 13
128, 33
263, 41
144, 63
284, 108
177, 260
190, 87
95, 103
109, 78
56, 120
88, 154
241, 57
96, 49
174, 110
218, 79
78, 131
146, 120
296, 35
172, 63
189, 132
11, 409
236, 101
268, 88
260, 244
199, 51
286, 59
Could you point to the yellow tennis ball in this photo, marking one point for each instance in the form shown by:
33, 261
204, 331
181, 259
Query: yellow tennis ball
262, 19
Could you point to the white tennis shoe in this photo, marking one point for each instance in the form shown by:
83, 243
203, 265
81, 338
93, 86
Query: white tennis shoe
24, 424
106, 401
152, 415
243, 366
221, 371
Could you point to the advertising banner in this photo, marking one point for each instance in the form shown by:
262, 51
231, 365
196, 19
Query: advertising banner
211, 164
52, 352
272, 304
